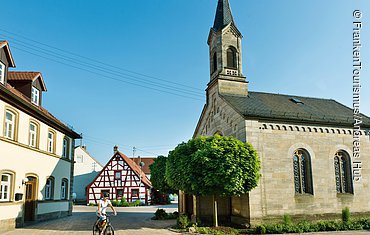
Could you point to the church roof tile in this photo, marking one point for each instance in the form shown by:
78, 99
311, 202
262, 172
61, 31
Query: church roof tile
259, 105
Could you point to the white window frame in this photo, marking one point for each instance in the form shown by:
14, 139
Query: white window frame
63, 190
2, 73
35, 96
5, 194
50, 146
9, 130
33, 135
65, 152
48, 188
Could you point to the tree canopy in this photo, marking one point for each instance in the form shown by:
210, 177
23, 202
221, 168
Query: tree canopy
157, 175
215, 165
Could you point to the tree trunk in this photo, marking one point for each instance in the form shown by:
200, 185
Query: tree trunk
215, 219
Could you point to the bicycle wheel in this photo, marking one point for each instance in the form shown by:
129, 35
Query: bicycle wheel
109, 230
96, 230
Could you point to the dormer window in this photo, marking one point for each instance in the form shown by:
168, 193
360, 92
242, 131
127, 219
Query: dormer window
2, 73
35, 96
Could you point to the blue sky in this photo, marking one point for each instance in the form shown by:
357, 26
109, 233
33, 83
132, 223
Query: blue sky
289, 47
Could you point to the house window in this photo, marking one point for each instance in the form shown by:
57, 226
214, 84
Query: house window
35, 96
342, 167
33, 135
9, 131
51, 140
117, 175
65, 153
2, 73
64, 189
135, 192
119, 193
302, 172
49, 188
5, 187
231, 58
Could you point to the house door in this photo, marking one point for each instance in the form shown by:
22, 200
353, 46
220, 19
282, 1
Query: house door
30, 199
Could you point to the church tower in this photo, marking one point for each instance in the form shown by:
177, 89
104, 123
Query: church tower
225, 53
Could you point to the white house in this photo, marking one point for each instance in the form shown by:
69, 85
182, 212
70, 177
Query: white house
86, 168
36, 151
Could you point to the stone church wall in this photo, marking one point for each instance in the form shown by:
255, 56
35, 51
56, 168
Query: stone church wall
275, 195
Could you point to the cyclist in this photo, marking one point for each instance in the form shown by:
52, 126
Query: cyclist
103, 204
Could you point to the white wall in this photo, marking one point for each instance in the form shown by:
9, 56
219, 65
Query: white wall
84, 172
18, 157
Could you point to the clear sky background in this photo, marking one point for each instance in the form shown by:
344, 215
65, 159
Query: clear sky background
84, 49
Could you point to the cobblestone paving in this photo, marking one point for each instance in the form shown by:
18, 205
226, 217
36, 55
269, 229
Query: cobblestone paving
128, 221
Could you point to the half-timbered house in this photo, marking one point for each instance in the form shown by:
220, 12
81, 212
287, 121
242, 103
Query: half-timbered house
121, 178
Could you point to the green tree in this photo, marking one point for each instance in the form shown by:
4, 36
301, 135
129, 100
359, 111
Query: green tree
157, 175
213, 166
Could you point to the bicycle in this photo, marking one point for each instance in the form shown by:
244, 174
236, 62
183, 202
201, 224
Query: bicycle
109, 230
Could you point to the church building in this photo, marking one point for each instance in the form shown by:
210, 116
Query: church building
310, 166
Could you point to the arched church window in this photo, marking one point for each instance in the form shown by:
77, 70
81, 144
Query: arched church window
231, 58
302, 172
214, 62
342, 167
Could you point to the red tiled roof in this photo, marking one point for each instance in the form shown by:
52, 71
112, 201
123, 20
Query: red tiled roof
135, 168
7, 49
147, 162
45, 112
26, 76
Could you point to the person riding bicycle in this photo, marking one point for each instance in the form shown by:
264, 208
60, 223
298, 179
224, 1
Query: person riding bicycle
103, 204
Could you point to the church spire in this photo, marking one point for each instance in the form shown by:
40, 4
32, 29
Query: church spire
223, 15
225, 53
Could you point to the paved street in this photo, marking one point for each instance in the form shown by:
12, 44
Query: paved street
134, 220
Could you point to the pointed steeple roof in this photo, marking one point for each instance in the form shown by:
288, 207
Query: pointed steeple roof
223, 15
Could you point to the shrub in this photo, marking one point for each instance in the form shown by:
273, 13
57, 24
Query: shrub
287, 219
183, 221
115, 202
216, 230
160, 214
124, 202
365, 223
346, 215
304, 226
135, 203
260, 229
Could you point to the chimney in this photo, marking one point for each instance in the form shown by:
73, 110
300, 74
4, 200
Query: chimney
115, 149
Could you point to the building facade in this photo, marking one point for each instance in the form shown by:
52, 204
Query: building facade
86, 168
36, 151
121, 177
310, 166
